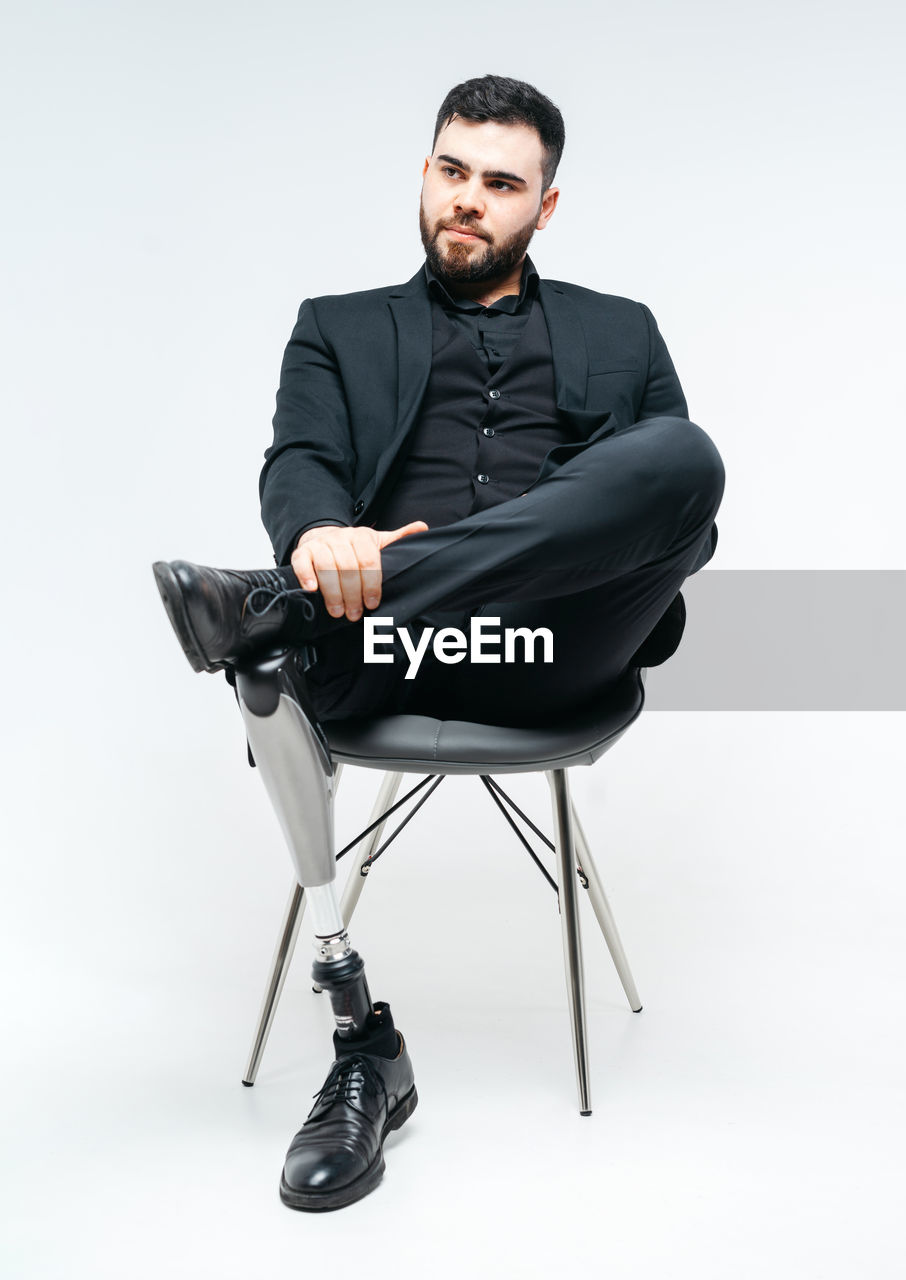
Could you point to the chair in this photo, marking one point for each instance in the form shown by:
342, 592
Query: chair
405, 744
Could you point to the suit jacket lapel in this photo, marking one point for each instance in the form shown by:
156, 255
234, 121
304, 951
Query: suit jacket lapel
411, 310
568, 348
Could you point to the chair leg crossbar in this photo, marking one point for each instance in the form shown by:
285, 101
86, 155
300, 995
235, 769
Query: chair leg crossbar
570, 848
379, 822
501, 799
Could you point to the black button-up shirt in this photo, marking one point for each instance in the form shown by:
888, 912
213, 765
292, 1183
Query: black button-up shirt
493, 331
446, 489
488, 416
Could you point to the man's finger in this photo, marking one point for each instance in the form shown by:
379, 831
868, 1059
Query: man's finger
368, 552
347, 563
325, 567
371, 587
329, 584
385, 537
304, 569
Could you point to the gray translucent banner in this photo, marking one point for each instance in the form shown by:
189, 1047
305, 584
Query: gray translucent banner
788, 640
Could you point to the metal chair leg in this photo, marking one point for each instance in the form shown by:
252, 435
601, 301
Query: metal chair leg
352, 890
286, 944
569, 920
601, 908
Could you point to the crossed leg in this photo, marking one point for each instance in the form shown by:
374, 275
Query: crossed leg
596, 553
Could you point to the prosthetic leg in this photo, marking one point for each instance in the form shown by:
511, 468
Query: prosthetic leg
293, 760
337, 1155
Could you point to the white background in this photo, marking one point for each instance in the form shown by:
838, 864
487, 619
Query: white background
177, 177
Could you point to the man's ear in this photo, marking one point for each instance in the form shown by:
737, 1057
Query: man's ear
427, 162
548, 205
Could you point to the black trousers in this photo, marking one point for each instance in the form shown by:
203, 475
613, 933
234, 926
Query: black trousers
595, 552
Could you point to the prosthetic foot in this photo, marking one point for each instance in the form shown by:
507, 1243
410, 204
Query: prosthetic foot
337, 1156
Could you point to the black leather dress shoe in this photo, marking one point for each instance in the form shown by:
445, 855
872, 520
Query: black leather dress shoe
222, 615
336, 1157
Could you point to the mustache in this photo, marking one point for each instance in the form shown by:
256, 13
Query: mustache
464, 224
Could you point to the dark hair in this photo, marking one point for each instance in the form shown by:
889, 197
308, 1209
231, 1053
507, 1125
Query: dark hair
508, 102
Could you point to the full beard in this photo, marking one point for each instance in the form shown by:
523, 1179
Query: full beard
476, 262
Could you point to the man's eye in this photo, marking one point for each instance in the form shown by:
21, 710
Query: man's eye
499, 185
450, 173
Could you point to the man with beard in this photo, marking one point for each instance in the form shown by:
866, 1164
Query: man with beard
476, 442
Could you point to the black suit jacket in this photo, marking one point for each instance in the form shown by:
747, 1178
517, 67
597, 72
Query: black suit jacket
357, 366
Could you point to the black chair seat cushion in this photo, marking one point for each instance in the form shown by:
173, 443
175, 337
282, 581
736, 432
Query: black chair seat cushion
421, 744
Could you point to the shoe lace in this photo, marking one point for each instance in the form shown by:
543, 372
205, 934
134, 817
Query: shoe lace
273, 597
345, 1078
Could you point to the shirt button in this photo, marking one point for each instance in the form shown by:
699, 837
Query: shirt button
358, 508
488, 431
483, 479
495, 395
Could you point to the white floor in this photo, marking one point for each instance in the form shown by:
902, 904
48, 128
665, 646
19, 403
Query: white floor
748, 1123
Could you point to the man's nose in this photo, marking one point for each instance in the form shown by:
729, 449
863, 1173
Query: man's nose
470, 199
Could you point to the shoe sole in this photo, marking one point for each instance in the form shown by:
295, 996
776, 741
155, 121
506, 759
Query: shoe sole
315, 1201
171, 594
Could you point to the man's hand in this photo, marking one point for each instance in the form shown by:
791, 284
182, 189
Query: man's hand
345, 565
